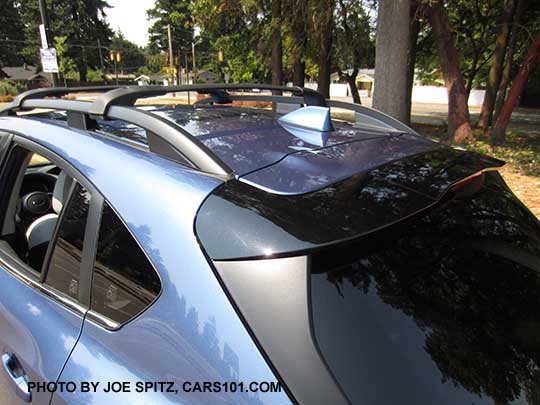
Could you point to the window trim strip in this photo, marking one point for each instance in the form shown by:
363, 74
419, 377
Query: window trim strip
34, 283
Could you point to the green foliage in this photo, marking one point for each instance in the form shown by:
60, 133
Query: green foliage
132, 56
237, 27
11, 33
156, 62
143, 70
354, 35
66, 66
177, 14
10, 88
95, 75
476, 24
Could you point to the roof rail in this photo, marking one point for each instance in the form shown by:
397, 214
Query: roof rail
54, 92
165, 137
127, 96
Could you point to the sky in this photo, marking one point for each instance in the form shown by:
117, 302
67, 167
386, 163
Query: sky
129, 16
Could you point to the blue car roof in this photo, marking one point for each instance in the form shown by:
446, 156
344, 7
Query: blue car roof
267, 154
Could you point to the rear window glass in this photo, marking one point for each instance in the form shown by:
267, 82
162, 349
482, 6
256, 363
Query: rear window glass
125, 282
444, 310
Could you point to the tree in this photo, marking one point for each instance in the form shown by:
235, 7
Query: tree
277, 47
509, 60
323, 26
90, 26
474, 24
495, 71
133, 57
414, 30
354, 44
66, 65
241, 30
82, 22
499, 130
11, 33
390, 90
176, 13
459, 126
298, 21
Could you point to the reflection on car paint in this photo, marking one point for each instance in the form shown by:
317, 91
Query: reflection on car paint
237, 212
446, 308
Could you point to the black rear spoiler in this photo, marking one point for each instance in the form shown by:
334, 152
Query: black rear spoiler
241, 222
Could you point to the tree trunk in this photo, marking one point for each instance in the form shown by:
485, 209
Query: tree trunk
505, 79
390, 92
300, 43
354, 89
83, 66
498, 134
459, 126
494, 78
277, 50
351, 81
324, 28
299, 72
472, 74
414, 29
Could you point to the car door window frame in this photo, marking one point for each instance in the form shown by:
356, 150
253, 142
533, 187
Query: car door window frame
29, 276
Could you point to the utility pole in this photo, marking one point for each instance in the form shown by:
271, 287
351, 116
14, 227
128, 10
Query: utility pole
187, 76
193, 55
45, 22
179, 67
193, 44
171, 61
100, 55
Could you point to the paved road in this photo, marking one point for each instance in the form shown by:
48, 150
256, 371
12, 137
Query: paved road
525, 120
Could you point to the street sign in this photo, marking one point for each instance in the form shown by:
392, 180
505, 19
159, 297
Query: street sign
48, 60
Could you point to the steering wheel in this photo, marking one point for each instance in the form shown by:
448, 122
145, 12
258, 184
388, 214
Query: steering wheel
36, 194
37, 202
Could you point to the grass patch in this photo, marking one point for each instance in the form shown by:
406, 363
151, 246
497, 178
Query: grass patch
521, 152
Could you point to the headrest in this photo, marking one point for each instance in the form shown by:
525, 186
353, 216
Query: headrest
61, 191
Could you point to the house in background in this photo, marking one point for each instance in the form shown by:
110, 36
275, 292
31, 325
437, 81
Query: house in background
26, 75
364, 82
204, 76
156, 78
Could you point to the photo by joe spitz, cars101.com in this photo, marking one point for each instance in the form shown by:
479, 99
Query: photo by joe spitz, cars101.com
218, 253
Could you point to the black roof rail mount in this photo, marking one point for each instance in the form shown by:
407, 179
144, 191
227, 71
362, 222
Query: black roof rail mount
55, 92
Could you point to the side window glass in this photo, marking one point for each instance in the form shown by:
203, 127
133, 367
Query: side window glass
125, 282
33, 196
64, 267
